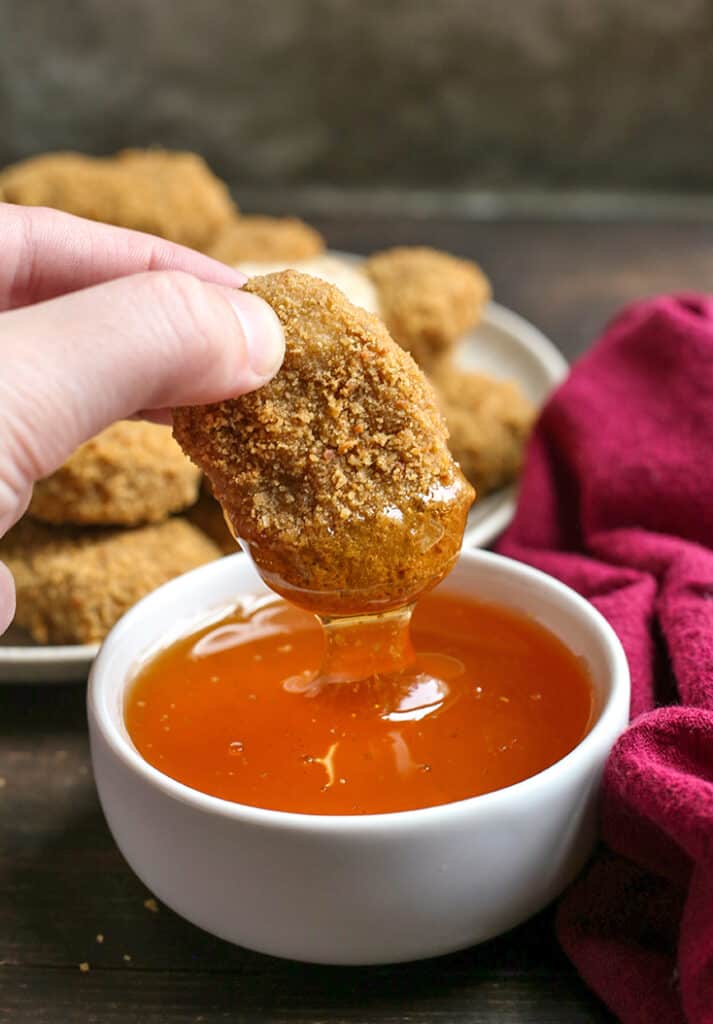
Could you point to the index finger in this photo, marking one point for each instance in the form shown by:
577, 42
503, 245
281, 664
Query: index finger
47, 253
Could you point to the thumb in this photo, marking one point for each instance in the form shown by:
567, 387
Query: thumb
73, 365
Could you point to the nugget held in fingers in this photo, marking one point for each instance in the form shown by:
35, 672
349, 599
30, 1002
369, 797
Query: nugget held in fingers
427, 299
73, 585
256, 238
336, 475
489, 421
131, 473
167, 193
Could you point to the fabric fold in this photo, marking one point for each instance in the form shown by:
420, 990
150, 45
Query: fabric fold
616, 500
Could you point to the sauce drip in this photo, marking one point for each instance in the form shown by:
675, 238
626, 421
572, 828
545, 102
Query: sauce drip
253, 708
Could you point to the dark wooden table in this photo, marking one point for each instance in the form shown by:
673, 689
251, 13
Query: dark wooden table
62, 881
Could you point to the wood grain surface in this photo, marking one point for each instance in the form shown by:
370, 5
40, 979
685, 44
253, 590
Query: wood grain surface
62, 880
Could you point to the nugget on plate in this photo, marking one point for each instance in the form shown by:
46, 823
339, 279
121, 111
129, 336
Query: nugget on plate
131, 473
208, 516
346, 274
489, 421
269, 239
336, 475
167, 193
72, 585
427, 299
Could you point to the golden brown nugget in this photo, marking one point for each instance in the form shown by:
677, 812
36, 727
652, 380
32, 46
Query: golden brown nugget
253, 238
208, 516
171, 194
132, 473
72, 585
489, 422
336, 475
427, 299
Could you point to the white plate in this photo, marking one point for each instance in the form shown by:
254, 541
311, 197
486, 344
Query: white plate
21, 661
503, 344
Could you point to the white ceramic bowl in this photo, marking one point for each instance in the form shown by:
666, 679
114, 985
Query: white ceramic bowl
355, 889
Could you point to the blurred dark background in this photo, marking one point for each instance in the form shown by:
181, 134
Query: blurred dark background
419, 94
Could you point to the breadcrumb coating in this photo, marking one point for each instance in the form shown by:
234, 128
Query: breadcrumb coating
258, 238
336, 475
131, 473
73, 585
428, 299
163, 192
489, 421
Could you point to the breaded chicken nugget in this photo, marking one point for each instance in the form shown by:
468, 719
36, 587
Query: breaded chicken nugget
72, 585
208, 516
336, 475
258, 238
489, 421
427, 299
131, 473
171, 194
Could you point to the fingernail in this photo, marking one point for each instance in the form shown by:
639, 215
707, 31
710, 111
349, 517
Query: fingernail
264, 338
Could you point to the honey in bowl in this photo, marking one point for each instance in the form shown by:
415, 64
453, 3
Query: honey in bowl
242, 709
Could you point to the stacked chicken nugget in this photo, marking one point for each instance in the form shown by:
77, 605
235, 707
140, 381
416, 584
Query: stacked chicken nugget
429, 300
105, 529
102, 531
171, 194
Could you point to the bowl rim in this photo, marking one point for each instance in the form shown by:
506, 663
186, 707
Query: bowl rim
603, 732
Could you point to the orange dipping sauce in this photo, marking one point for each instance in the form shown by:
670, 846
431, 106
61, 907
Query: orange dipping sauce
213, 711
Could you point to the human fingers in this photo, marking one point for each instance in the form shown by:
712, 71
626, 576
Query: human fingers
75, 364
47, 253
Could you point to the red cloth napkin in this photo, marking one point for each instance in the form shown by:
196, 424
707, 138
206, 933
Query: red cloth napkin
617, 500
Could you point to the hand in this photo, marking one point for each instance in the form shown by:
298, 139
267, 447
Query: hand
99, 324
